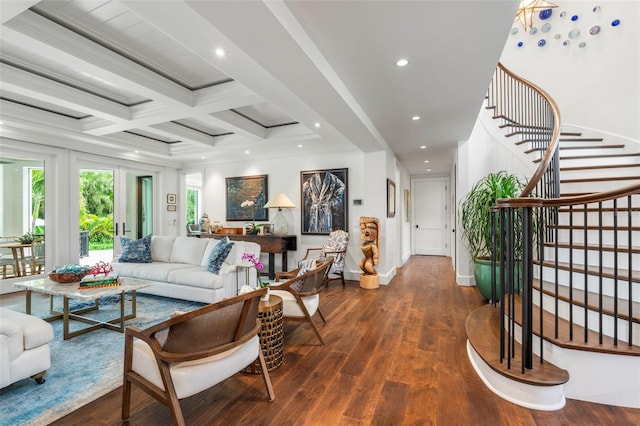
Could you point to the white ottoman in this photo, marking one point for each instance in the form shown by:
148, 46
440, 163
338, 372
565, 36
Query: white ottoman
24, 347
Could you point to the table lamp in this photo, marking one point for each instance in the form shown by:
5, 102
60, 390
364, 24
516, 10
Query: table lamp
279, 223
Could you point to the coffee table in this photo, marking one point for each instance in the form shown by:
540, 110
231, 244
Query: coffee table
72, 291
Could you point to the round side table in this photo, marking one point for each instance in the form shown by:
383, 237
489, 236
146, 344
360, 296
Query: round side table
271, 335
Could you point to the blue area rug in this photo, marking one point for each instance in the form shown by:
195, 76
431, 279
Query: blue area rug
84, 367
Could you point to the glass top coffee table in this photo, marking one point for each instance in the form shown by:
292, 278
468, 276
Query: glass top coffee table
72, 291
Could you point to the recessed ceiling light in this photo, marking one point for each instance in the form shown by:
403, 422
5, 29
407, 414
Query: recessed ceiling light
300, 146
317, 124
415, 118
428, 170
220, 52
203, 158
423, 147
402, 63
136, 151
247, 152
426, 161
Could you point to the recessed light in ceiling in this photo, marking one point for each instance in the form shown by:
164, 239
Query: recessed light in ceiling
415, 118
247, 152
428, 170
402, 62
426, 161
317, 124
423, 147
220, 52
300, 146
136, 151
203, 158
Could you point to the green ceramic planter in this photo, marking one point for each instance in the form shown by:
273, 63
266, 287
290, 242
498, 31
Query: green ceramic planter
482, 273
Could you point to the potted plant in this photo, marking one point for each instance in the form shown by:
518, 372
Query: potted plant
476, 222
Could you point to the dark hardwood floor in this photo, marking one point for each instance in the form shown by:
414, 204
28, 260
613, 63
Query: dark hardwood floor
394, 356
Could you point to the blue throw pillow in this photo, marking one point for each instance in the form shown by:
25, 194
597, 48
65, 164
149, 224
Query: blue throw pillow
219, 254
138, 251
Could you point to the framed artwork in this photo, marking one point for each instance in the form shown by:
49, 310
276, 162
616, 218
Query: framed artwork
247, 188
407, 205
171, 198
391, 198
324, 199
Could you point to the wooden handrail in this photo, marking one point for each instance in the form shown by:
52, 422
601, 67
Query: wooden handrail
555, 135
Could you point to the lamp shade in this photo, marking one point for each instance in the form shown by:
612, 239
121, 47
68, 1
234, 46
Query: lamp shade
280, 201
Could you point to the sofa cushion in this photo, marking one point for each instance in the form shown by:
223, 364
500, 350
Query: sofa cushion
306, 265
188, 250
138, 251
196, 276
219, 254
207, 251
161, 248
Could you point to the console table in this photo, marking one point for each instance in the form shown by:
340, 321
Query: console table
270, 244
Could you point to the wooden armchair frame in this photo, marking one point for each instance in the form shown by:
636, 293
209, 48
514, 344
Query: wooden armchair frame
301, 287
196, 335
323, 252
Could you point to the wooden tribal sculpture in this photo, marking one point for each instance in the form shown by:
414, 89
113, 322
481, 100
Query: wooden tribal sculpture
369, 232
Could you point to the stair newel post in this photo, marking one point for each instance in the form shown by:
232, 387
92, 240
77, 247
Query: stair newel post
508, 283
493, 211
630, 268
527, 289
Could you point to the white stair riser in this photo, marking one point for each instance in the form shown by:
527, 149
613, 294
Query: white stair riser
593, 258
600, 172
597, 186
593, 236
593, 283
593, 320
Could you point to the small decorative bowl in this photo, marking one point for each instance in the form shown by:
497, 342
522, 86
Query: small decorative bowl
66, 277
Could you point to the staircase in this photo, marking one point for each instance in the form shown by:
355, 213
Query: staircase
584, 291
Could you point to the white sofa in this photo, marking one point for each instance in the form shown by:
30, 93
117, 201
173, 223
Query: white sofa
24, 347
179, 269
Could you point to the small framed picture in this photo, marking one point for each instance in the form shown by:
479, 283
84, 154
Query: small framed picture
171, 207
171, 199
391, 198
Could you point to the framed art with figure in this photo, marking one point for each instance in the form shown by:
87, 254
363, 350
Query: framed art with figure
247, 188
391, 198
324, 198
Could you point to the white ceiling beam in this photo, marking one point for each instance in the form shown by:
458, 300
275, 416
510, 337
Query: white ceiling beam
182, 133
12, 110
224, 96
33, 86
46, 38
9, 9
236, 123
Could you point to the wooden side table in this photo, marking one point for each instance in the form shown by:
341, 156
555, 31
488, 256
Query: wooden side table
270, 313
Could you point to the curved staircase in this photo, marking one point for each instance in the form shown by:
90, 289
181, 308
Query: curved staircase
582, 285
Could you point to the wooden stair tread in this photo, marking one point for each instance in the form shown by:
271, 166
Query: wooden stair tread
599, 167
585, 147
581, 139
596, 227
570, 134
623, 274
595, 209
563, 339
599, 179
578, 297
483, 332
622, 248
590, 157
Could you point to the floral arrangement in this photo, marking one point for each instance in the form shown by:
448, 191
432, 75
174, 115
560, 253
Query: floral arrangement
101, 268
253, 228
255, 261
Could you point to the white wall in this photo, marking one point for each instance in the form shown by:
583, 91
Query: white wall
284, 176
597, 86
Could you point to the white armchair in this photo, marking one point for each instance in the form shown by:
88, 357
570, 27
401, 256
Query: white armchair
24, 347
194, 351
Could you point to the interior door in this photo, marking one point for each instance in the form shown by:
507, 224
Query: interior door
430, 217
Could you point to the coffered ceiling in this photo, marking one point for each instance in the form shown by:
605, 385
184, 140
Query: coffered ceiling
175, 82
